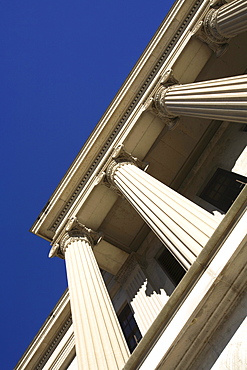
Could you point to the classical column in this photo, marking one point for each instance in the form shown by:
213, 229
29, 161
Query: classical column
99, 340
221, 99
227, 21
180, 224
221, 23
144, 300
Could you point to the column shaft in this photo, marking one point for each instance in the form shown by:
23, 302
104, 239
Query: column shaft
180, 224
223, 99
99, 340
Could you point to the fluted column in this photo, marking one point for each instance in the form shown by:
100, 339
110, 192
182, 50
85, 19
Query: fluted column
144, 300
221, 99
99, 340
180, 224
221, 23
227, 21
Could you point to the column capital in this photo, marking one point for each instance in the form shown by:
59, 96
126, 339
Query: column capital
204, 33
211, 29
74, 230
155, 102
223, 21
119, 158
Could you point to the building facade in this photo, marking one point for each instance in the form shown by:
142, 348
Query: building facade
151, 216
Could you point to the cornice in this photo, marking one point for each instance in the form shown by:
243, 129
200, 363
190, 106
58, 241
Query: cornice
49, 336
57, 220
53, 344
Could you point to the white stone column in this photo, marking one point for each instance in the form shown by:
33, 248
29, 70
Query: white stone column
99, 339
227, 21
181, 225
221, 99
144, 300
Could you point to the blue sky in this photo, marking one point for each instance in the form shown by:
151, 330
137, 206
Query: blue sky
61, 63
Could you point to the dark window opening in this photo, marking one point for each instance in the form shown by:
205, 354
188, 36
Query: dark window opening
171, 266
223, 189
129, 326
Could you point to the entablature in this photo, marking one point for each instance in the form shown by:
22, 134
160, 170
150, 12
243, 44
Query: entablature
121, 115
